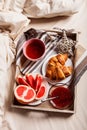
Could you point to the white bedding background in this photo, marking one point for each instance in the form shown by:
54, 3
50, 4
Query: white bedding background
43, 8
17, 119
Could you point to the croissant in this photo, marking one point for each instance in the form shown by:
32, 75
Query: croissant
58, 65
62, 58
49, 74
51, 65
53, 59
60, 73
54, 74
56, 69
67, 70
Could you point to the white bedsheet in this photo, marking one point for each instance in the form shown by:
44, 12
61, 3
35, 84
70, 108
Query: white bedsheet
14, 119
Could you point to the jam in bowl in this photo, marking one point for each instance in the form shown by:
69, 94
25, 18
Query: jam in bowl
64, 97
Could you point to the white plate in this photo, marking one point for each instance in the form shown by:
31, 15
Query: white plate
53, 82
45, 83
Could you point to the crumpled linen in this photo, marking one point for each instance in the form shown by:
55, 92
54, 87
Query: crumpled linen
11, 25
51, 8
13, 22
7, 56
14, 5
7, 52
1, 4
43, 8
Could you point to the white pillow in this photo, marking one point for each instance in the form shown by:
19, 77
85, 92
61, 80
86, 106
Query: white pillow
50, 8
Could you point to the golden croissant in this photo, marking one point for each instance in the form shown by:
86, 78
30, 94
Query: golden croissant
56, 68
62, 58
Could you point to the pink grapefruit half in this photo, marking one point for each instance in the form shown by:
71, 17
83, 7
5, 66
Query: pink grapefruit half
24, 94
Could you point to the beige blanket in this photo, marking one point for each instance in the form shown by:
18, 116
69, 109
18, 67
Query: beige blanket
14, 119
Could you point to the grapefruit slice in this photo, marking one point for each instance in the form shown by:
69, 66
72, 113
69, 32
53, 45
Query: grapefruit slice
38, 82
24, 94
30, 79
41, 92
21, 80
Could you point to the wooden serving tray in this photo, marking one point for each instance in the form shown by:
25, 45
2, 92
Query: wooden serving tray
80, 67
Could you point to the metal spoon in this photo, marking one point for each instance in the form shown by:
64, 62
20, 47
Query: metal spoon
43, 100
50, 98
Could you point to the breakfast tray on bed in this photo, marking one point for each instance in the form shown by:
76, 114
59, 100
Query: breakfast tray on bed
51, 38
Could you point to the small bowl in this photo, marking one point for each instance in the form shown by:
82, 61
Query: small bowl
65, 97
34, 49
